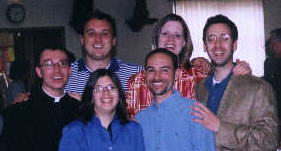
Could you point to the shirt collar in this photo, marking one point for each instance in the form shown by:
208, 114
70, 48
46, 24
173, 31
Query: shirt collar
56, 98
210, 80
113, 65
166, 101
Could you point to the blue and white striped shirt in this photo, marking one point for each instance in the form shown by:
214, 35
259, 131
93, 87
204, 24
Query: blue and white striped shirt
80, 74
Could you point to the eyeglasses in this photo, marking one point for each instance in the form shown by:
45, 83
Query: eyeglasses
222, 38
108, 88
173, 35
50, 64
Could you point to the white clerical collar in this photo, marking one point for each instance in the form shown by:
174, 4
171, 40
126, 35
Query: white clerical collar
56, 98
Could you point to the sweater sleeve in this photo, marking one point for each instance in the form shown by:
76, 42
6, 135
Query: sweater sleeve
261, 133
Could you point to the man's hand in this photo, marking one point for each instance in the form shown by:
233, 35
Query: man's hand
75, 95
205, 117
21, 97
242, 68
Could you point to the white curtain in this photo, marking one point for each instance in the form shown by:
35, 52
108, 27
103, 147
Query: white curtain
246, 14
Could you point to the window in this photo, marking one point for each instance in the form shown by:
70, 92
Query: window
246, 14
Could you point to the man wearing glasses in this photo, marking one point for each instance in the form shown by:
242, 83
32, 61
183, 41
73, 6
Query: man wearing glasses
241, 110
37, 123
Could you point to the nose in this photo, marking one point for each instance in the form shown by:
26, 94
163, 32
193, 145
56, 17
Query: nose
57, 68
98, 37
157, 75
170, 37
218, 43
105, 92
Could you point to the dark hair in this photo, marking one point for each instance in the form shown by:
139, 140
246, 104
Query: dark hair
86, 109
52, 48
275, 35
19, 69
163, 51
186, 52
221, 19
97, 14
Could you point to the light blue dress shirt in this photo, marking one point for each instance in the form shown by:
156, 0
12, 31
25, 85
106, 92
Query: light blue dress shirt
168, 126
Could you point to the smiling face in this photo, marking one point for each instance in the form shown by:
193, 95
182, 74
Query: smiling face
160, 75
54, 76
219, 45
171, 37
105, 96
97, 39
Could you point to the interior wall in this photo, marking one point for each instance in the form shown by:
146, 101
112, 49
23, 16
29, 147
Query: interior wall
45, 13
133, 46
272, 11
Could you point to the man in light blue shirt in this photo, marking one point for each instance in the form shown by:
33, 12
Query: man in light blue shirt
167, 124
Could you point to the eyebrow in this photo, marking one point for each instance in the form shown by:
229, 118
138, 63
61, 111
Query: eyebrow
166, 67
87, 30
46, 60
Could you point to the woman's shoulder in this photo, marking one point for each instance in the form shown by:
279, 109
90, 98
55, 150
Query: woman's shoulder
133, 125
76, 125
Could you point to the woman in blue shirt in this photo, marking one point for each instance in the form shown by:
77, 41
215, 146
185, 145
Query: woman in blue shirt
103, 123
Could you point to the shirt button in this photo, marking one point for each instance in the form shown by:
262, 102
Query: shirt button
110, 148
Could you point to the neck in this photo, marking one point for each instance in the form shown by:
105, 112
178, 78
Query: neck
160, 98
105, 118
222, 71
55, 93
97, 64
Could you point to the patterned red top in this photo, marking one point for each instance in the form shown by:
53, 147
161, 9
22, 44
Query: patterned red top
139, 97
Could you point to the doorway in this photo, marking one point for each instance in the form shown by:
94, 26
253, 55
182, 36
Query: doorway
26, 44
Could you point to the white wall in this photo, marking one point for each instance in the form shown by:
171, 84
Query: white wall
45, 13
133, 46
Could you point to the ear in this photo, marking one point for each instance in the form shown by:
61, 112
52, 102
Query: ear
70, 70
235, 45
38, 72
177, 73
81, 40
114, 41
204, 46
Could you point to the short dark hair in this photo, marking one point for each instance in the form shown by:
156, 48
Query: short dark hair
276, 33
221, 19
166, 52
97, 14
86, 109
52, 48
185, 54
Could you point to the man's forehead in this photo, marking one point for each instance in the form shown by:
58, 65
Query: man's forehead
159, 60
53, 55
98, 22
218, 28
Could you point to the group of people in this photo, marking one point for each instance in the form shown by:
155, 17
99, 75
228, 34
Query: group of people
102, 103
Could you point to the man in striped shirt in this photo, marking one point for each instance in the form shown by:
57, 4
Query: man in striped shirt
98, 39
